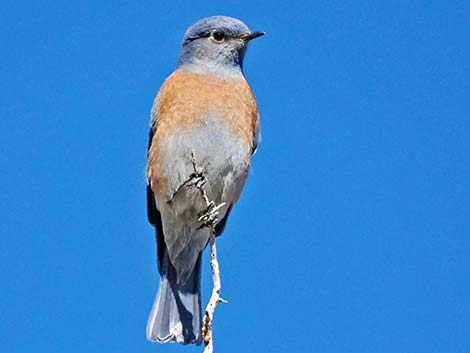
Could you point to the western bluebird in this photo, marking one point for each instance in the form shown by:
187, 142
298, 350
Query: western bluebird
205, 106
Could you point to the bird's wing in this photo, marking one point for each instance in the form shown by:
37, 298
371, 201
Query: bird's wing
153, 214
219, 227
256, 139
151, 206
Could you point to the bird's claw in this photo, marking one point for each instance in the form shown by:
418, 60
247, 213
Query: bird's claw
196, 179
209, 217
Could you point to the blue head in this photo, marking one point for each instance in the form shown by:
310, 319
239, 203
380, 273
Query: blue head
216, 45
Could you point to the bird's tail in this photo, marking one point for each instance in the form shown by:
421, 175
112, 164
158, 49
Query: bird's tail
176, 312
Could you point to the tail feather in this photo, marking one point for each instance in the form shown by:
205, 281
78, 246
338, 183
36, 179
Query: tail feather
176, 312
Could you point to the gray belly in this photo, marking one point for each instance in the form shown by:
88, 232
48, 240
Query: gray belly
223, 159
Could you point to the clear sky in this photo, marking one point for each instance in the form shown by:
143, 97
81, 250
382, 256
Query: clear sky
353, 232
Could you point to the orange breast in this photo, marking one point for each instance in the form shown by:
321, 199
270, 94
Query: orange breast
186, 100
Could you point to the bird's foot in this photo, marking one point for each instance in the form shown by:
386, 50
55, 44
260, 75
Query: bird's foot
196, 179
209, 217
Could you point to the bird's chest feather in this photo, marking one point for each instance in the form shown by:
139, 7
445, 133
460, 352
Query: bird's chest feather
215, 118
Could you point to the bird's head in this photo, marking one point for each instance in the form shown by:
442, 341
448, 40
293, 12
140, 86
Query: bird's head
216, 45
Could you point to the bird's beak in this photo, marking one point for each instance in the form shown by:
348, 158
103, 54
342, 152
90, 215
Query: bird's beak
246, 37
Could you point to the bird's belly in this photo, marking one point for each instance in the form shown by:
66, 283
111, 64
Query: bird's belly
223, 159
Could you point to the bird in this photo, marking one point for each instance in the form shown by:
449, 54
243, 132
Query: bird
205, 109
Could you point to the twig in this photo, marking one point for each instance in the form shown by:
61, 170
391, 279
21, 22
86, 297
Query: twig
209, 219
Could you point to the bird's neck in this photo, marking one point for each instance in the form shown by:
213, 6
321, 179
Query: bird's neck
212, 69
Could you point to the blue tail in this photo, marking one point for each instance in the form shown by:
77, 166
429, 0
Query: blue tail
176, 312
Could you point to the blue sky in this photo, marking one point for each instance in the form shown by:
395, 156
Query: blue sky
353, 231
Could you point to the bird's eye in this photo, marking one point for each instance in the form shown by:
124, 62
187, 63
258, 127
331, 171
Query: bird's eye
218, 35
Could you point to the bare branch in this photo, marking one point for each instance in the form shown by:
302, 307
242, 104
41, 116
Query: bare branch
209, 219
